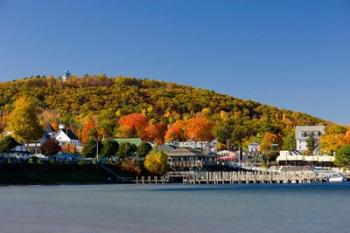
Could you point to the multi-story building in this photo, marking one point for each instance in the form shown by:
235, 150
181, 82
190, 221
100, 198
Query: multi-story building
302, 133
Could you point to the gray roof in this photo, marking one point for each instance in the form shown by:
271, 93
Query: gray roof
135, 141
320, 128
183, 152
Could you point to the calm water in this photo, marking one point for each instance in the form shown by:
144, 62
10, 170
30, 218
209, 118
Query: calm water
294, 208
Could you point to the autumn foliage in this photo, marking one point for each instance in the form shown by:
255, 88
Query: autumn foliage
69, 148
133, 125
199, 128
175, 131
50, 147
89, 126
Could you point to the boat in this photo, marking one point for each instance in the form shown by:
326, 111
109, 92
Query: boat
336, 178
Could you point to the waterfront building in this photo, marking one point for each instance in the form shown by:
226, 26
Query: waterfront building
303, 133
184, 159
294, 158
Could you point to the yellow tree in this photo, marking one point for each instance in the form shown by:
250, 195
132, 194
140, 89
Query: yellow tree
347, 137
270, 144
333, 139
156, 162
23, 121
331, 142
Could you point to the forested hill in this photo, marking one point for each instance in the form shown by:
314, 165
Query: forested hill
160, 101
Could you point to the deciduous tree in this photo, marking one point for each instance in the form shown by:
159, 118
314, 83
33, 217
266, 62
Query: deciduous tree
175, 131
331, 142
50, 147
23, 121
133, 125
270, 145
199, 128
156, 162
342, 157
89, 127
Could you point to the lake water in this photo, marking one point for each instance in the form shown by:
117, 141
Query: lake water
293, 208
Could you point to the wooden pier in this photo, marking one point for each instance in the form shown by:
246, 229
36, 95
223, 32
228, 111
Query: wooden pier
236, 177
152, 179
233, 177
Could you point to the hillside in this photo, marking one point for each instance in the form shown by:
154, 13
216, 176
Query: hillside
165, 102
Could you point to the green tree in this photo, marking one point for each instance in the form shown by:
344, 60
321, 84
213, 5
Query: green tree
224, 131
289, 142
342, 157
109, 148
107, 122
126, 149
143, 149
311, 144
90, 148
7, 143
23, 121
156, 162
239, 132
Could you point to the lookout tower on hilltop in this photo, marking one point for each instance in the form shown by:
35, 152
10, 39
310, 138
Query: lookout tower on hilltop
66, 75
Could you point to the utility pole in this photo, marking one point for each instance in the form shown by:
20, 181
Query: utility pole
96, 149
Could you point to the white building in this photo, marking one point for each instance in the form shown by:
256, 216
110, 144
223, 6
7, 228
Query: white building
66, 136
302, 133
292, 158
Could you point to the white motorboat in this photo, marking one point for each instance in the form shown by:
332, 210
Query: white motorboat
336, 179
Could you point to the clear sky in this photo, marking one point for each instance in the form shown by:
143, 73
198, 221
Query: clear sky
293, 54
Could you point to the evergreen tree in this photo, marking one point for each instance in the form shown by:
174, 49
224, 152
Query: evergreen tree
143, 149
311, 144
7, 143
126, 149
90, 148
109, 148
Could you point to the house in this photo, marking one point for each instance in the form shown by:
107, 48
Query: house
303, 133
19, 152
182, 159
66, 136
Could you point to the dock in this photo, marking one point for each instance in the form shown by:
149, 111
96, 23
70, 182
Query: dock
232, 177
246, 177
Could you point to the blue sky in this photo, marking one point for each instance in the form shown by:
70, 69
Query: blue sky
293, 54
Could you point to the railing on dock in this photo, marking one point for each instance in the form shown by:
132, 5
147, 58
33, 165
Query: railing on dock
152, 179
233, 177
